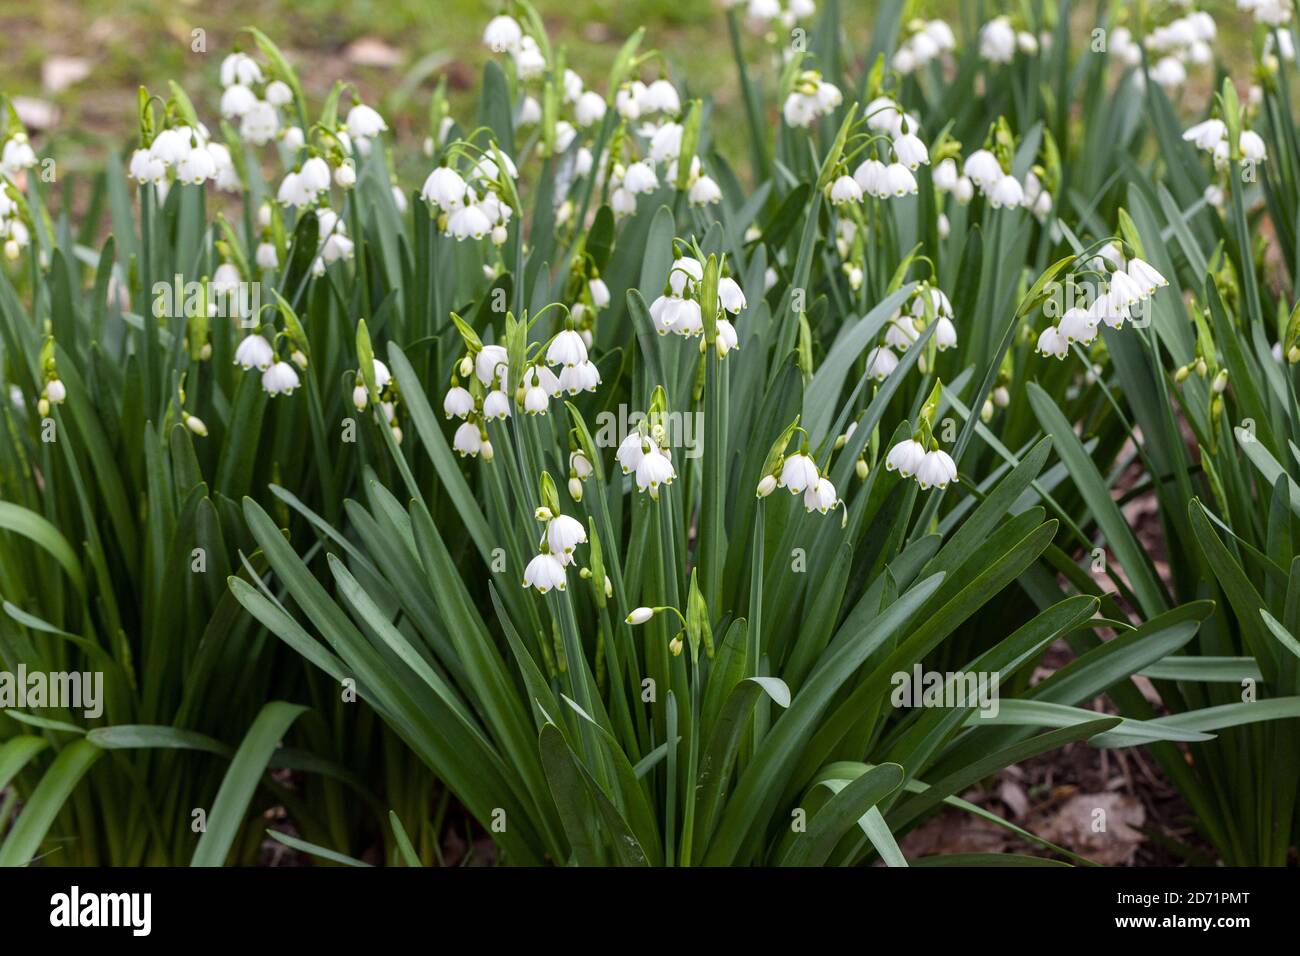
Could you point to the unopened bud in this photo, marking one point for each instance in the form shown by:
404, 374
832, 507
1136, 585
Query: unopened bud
766, 486
575, 489
861, 469
1220, 381
639, 615
195, 424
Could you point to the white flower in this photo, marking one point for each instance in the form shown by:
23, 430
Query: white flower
1052, 343
964, 191
503, 34
364, 121
240, 68
945, 333
237, 100
144, 167
197, 167
945, 176
1252, 147
457, 403
567, 348
998, 41
280, 378
1078, 325
731, 298
882, 114
563, 534
467, 440
445, 188
902, 332
632, 449
278, 93
170, 146
820, 496
799, 110
583, 377
639, 615
661, 97
899, 180
845, 190
1146, 277
254, 352
798, 472
941, 34
535, 396
705, 192
544, 572
266, 256
360, 397
1169, 73
871, 177
911, 152
259, 124
599, 292
881, 362
490, 364
983, 169
937, 469
468, 222
55, 391
944, 227
345, 175
1008, 192
727, 339
1206, 135
590, 109
496, 405
315, 175
640, 178
1124, 291
905, 457
654, 469
666, 143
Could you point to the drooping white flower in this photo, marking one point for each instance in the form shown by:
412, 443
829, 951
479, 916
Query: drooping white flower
1252, 147
1146, 277
905, 457
632, 449
704, 192
468, 222
945, 176
1206, 135
468, 440
240, 68
910, 151
496, 405
536, 398
259, 124
458, 402
280, 378
820, 496
1008, 192
490, 364
661, 97
945, 333
445, 188
567, 348
654, 469
727, 340
278, 93
936, 470
666, 143
901, 333
899, 180
997, 41
731, 298
797, 473
196, 167
503, 34
881, 362
254, 352
237, 100
1052, 343
1078, 325
870, 175
639, 615
983, 169
845, 190
582, 377
55, 391
1169, 73
564, 534
640, 178
364, 121
544, 572
266, 256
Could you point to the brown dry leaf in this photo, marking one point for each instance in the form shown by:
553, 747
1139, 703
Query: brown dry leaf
1097, 825
60, 72
372, 51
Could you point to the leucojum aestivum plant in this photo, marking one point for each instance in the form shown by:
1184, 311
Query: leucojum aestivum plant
614, 485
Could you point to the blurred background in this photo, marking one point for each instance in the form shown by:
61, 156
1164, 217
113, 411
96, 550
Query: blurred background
74, 68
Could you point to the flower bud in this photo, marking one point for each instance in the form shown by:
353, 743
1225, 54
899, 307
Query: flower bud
766, 486
205, 353
397, 435
466, 367
575, 489
640, 615
359, 397
486, 451
195, 424
543, 513
1180, 376
1220, 381
861, 469
675, 645
609, 587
